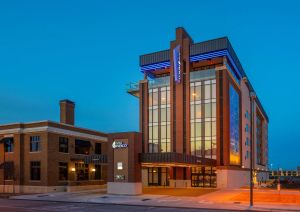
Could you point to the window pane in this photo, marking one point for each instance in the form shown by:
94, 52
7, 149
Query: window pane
163, 116
155, 115
213, 91
207, 110
163, 132
155, 98
198, 129
213, 109
155, 132
198, 92
163, 99
198, 111
207, 92
208, 128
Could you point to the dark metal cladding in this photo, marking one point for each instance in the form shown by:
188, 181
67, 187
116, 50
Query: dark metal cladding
209, 46
155, 57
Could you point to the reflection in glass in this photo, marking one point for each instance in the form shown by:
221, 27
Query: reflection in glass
234, 126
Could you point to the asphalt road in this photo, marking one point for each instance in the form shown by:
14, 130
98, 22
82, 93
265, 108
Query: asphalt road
8, 205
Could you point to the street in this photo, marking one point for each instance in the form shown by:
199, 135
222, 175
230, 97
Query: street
9, 205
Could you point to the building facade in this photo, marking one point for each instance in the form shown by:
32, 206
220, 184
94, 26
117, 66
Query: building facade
198, 116
48, 156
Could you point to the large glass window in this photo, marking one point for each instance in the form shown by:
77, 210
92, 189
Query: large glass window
234, 126
203, 118
159, 119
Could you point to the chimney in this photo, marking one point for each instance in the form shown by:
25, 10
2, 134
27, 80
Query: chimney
67, 112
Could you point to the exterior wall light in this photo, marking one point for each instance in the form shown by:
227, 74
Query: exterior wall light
73, 169
93, 170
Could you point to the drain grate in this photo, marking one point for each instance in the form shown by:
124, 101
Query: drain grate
104, 197
236, 202
145, 200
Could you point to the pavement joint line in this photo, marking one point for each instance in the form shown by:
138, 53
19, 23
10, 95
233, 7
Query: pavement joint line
163, 206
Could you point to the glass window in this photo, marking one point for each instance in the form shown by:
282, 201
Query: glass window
208, 110
155, 98
197, 93
208, 128
234, 126
163, 116
63, 144
63, 170
82, 147
82, 171
198, 112
97, 172
207, 92
35, 144
35, 170
8, 144
98, 148
9, 170
198, 129
213, 91
159, 118
155, 115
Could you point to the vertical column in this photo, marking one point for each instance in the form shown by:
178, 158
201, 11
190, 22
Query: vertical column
180, 93
144, 104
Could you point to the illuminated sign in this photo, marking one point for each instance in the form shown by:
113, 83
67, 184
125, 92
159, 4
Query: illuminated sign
120, 177
119, 144
177, 65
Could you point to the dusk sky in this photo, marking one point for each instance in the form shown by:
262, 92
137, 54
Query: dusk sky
87, 51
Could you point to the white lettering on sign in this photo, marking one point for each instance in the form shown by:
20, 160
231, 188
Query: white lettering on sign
119, 144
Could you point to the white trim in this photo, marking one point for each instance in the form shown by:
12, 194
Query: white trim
54, 130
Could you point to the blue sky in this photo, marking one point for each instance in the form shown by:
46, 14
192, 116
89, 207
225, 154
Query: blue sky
87, 51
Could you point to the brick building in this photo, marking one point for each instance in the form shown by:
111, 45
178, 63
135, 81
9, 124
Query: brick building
48, 156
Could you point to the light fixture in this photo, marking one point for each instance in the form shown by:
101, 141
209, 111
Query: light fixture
93, 170
73, 169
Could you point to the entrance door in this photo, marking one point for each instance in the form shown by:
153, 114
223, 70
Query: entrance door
158, 176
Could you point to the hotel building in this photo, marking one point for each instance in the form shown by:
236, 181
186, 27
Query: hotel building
197, 112
199, 119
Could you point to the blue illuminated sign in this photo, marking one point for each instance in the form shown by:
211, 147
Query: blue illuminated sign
176, 61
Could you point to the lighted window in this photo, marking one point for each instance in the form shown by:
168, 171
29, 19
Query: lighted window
120, 166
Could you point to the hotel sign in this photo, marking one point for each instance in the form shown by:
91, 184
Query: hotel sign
118, 145
177, 65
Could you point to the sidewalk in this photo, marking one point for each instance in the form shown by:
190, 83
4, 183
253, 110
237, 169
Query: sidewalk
223, 199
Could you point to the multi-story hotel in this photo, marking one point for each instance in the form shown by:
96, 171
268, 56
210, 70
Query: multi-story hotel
199, 118
197, 112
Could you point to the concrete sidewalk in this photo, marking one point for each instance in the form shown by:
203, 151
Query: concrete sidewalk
207, 201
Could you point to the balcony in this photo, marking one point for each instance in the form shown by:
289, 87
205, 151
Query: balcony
133, 88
